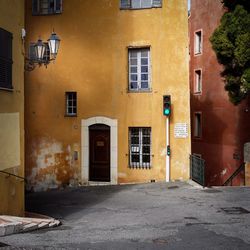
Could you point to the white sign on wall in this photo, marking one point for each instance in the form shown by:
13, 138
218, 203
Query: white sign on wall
181, 130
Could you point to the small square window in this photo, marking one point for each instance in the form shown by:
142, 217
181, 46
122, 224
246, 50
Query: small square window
198, 42
140, 147
197, 125
198, 81
71, 103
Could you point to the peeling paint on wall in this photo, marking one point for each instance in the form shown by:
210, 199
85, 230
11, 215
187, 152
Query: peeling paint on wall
54, 165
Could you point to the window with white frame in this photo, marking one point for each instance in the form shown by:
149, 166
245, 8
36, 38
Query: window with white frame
198, 42
139, 69
71, 103
197, 125
140, 4
140, 147
198, 81
46, 7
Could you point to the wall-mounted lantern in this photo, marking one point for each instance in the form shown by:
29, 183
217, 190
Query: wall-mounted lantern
42, 53
40, 48
54, 43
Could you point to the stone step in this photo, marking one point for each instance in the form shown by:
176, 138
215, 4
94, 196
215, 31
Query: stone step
12, 224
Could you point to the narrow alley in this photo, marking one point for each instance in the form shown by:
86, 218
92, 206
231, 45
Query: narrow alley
176, 215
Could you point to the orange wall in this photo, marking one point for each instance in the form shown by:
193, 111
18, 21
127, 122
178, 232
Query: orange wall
92, 60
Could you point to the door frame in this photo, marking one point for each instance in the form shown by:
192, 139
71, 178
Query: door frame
112, 123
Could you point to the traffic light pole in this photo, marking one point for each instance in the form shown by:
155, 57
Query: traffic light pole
167, 113
167, 155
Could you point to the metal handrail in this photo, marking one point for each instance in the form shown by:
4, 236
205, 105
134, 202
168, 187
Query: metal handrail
9, 174
235, 173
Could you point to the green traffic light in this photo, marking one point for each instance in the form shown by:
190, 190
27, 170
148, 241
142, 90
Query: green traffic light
168, 150
166, 111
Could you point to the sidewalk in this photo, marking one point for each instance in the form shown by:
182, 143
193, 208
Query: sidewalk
12, 224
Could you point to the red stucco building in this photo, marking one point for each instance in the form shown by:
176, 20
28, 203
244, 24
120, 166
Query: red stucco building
219, 129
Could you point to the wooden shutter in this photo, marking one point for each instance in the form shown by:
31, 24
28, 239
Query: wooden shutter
35, 7
125, 4
58, 6
5, 59
157, 3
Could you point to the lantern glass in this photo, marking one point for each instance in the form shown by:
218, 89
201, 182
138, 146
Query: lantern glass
40, 49
54, 43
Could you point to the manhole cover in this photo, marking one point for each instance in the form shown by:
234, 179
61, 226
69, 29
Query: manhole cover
235, 210
3, 244
211, 190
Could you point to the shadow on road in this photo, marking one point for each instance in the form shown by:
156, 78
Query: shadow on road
63, 204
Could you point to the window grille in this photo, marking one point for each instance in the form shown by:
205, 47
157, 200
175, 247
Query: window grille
139, 69
71, 103
46, 7
140, 147
5, 59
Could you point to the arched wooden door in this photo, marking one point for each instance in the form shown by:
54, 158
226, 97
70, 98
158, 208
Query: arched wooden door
99, 153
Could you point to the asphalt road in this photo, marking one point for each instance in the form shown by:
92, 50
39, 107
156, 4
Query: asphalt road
148, 216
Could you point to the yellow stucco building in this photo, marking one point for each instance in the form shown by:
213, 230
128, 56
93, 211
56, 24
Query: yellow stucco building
96, 114
11, 107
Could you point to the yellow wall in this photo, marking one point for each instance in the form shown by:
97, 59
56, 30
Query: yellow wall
12, 115
92, 60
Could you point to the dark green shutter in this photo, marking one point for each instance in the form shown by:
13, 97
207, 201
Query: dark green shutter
157, 3
125, 4
5, 59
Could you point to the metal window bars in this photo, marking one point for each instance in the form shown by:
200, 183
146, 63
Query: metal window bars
140, 148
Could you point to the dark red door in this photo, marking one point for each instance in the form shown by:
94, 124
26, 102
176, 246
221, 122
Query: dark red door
99, 153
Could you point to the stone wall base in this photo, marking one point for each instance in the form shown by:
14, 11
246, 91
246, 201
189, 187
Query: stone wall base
247, 173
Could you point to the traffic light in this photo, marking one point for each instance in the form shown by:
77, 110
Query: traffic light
168, 150
166, 105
